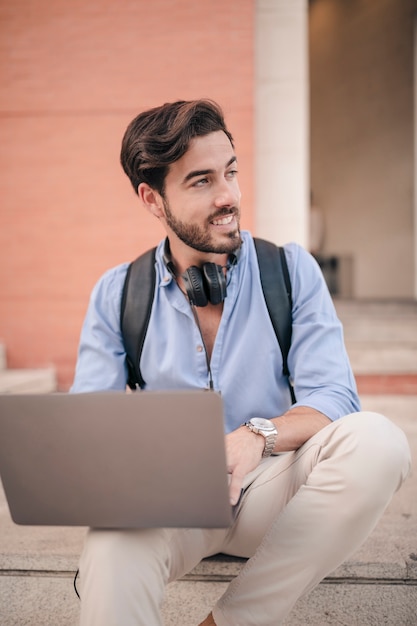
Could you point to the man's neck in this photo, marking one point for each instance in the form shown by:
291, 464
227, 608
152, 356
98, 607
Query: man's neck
183, 256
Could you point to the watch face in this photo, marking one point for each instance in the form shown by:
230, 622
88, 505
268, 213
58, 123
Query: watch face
260, 422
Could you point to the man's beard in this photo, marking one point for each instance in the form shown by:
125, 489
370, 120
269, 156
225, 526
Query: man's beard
199, 239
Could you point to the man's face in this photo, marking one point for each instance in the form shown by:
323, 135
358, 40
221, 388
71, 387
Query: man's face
202, 196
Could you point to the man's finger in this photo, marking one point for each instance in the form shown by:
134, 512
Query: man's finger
235, 487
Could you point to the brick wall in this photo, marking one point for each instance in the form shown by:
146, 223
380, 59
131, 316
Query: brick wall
73, 74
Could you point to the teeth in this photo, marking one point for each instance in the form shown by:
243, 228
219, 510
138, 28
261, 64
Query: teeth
223, 221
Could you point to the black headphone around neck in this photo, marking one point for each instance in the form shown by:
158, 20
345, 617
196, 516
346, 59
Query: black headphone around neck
205, 284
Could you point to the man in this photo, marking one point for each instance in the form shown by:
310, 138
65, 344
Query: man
333, 469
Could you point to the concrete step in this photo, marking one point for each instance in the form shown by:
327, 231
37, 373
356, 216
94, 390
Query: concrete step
376, 586
371, 358
380, 337
2, 357
39, 380
49, 600
28, 380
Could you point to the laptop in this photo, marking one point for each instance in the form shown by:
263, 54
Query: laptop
115, 460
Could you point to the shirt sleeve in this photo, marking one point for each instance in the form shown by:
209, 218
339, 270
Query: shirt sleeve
101, 362
318, 361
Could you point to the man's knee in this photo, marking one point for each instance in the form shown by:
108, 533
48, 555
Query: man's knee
379, 450
137, 553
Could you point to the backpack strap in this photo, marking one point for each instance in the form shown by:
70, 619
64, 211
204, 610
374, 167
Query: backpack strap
276, 286
137, 300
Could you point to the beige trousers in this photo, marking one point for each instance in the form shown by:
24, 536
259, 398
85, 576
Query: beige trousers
303, 513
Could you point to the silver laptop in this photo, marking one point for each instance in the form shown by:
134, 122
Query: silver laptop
115, 460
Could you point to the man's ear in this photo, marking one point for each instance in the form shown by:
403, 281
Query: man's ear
152, 199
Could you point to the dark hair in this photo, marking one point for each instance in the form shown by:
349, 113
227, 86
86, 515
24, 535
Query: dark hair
160, 136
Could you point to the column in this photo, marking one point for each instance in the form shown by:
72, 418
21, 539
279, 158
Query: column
281, 121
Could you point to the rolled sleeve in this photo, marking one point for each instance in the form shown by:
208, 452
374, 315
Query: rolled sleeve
101, 356
318, 360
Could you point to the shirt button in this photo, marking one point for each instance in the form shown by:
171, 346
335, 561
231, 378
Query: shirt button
166, 279
200, 348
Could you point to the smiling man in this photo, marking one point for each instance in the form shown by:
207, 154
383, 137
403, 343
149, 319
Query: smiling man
315, 475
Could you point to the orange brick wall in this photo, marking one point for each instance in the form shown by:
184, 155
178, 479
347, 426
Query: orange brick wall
73, 74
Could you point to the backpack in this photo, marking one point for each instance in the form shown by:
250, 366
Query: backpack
139, 288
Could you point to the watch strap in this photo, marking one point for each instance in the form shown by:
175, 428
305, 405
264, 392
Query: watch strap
269, 445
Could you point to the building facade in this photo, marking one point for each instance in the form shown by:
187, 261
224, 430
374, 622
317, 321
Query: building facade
319, 96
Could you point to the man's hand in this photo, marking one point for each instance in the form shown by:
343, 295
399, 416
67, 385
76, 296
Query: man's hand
244, 448
243, 451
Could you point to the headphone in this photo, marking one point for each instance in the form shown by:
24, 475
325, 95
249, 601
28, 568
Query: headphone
205, 284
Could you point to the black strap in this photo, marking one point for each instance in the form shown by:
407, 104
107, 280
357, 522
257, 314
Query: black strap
139, 289
137, 300
276, 286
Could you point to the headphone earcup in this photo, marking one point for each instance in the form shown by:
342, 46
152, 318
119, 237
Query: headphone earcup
194, 286
215, 282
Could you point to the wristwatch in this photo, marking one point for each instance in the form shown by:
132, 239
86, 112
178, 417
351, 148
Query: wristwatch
264, 427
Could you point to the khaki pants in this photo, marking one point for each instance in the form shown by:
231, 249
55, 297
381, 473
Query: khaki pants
303, 513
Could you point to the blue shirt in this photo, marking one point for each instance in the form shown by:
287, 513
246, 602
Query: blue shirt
246, 362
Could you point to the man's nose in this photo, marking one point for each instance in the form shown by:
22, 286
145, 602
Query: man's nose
227, 194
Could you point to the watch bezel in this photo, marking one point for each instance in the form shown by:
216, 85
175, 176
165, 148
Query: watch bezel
261, 423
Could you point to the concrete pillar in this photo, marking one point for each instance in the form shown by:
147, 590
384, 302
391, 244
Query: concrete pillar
281, 121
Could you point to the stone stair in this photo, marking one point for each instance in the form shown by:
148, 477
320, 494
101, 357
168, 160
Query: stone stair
380, 337
42, 380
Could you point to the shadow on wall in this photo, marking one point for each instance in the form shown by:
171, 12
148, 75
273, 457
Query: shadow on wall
337, 272
337, 269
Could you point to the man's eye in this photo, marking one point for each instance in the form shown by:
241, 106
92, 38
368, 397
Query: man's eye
232, 173
200, 182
